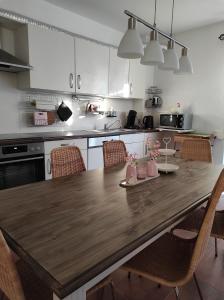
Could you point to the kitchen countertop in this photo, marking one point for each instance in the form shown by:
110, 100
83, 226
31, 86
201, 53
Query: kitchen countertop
63, 135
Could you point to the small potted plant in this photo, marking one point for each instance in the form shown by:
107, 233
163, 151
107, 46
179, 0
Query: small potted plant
152, 153
131, 172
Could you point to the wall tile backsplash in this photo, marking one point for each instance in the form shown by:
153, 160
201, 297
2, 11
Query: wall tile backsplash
16, 110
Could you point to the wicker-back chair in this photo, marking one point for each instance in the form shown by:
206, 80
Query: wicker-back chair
196, 149
114, 153
9, 278
66, 161
171, 260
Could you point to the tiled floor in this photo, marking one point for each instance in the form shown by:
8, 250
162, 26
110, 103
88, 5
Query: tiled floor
210, 275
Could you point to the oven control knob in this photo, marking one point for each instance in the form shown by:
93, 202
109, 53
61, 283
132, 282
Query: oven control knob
32, 149
38, 148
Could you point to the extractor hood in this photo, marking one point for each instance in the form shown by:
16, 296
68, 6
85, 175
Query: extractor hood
10, 63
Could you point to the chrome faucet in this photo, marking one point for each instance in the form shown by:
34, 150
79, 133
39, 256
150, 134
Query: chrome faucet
107, 126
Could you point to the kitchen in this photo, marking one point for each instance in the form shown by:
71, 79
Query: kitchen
76, 86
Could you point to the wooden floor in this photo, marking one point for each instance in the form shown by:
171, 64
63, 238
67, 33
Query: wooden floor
210, 275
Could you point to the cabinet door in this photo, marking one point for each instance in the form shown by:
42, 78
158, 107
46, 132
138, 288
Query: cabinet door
51, 54
92, 67
118, 75
138, 79
95, 158
137, 148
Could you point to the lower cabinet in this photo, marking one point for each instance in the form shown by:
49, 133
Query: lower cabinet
136, 148
134, 143
49, 146
95, 158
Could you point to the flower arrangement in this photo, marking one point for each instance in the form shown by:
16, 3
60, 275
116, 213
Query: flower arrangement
132, 159
152, 148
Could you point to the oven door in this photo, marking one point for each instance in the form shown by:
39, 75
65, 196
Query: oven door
169, 120
24, 170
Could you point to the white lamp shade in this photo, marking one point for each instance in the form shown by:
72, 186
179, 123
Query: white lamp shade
153, 54
185, 66
171, 61
131, 45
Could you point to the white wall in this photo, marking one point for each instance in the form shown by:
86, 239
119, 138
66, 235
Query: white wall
16, 110
203, 92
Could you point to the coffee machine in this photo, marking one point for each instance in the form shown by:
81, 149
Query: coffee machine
131, 119
148, 122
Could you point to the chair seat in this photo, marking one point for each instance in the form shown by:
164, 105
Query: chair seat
166, 261
194, 221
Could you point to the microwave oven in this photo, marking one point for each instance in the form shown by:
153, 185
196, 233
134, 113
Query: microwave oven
176, 121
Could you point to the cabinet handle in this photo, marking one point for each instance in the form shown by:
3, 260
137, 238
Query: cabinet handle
64, 145
49, 166
79, 82
131, 89
71, 80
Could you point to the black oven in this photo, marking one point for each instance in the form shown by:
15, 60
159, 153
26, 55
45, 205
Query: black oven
21, 164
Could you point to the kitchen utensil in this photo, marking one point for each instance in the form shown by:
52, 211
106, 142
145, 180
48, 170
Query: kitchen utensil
64, 112
156, 101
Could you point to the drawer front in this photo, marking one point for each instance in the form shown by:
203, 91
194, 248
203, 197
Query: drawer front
49, 146
132, 138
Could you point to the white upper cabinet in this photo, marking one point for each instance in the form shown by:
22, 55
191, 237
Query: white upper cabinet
118, 75
51, 53
92, 67
137, 79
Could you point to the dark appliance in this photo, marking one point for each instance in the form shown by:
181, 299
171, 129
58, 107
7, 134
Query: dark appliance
131, 119
21, 164
148, 122
176, 121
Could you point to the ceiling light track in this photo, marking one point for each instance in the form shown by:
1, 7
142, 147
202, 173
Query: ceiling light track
145, 23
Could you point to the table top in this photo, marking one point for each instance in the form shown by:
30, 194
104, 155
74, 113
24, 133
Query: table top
71, 229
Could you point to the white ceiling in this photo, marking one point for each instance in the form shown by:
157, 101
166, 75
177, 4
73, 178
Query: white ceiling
188, 13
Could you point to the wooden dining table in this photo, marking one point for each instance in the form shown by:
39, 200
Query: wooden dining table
76, 230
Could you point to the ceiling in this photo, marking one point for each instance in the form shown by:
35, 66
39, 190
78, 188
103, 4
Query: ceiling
188, 13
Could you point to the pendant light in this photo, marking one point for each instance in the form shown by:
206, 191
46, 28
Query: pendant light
153, 54
185, 63
131, 45
171, 61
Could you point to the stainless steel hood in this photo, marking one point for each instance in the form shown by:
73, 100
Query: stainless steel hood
10, 63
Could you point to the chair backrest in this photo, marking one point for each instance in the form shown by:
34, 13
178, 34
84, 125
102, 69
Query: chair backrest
66, 161
196, 149
114, 153
206, 227
10, 282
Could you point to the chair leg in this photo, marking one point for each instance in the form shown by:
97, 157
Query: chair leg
216, 248
112, 290
198, 287
159, 285
129, 275
176, 290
